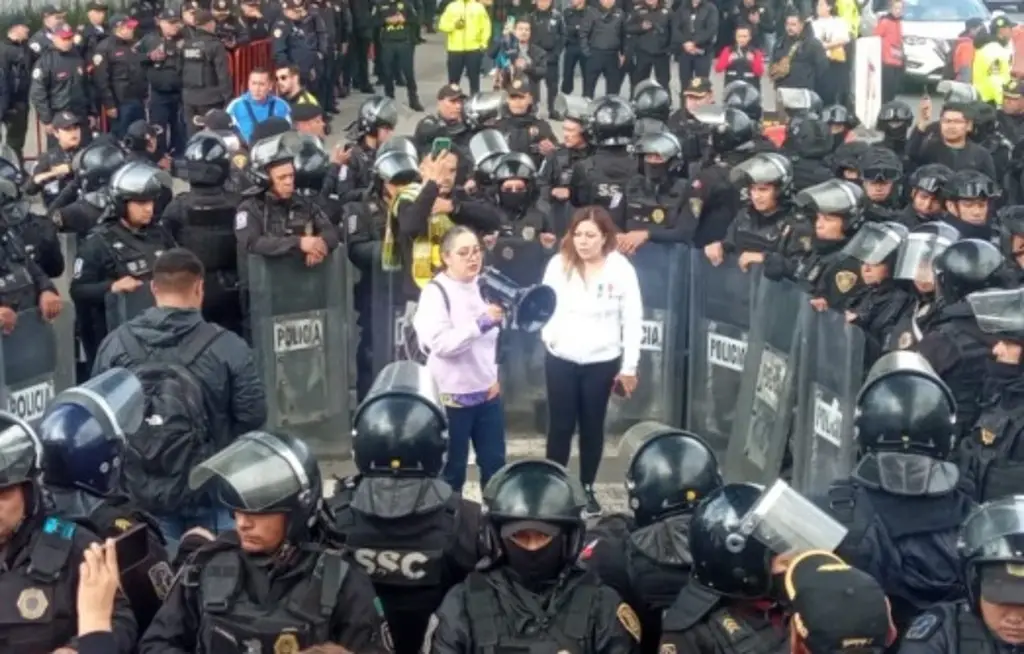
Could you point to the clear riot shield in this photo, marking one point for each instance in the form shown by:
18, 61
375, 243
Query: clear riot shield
521, 371
33, 371
663, 271
721, 305
830, 374
764, 412
67, 345
122, 307
390, 319
300, 336
210, 234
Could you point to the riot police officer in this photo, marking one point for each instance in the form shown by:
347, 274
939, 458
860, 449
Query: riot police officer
37, 232
880, 173
927, 184
53, 169
547, 31
206, 77
601, 178
524, 131
525, 211
647, 560
220, 596
312, 167
652, 105
952, 342
42, 554
82, 203
901, 504
809, 146
202, 220
396, 23
710, 202
969, 196
118, 256
428, 539
533, 515
83, 480
841, 122
654, 196
894, 121
573, 149
377, 120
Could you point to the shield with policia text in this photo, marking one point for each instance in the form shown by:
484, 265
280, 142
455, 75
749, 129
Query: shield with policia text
37, 363
663, 271
831, 371
764, 413
721, 304
300, 337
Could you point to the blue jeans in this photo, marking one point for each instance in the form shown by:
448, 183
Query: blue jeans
214, 520
484, 426
127, 113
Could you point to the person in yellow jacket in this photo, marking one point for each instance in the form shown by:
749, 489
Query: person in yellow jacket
991, 67
849, 11
468, 26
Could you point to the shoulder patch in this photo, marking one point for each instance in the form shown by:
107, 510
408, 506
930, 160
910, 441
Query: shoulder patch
37, 73
97, 59
241, 220
588, 550
78, 267
277, 32
923, 626
34, 47
627, 616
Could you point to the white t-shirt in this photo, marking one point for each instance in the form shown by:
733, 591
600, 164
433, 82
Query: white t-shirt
598, 320
831, 30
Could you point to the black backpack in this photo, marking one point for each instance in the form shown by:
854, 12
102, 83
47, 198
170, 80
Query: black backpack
175, 434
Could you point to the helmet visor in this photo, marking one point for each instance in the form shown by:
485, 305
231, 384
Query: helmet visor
786, 521
20, 451
759, 169
875, 242
916, 255
998, 311
990, 528
903, 473
832, 197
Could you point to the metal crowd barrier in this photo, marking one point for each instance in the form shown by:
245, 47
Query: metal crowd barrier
241, 61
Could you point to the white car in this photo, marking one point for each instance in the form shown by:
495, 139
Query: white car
930, 30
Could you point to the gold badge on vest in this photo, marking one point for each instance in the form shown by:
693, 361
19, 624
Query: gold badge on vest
32, 604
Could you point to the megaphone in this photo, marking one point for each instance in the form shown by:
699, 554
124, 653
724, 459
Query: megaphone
529, 308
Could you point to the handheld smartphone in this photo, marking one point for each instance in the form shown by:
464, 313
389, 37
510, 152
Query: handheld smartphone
441, 144
132, 546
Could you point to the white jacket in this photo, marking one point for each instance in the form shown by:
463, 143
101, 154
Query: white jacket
597, 321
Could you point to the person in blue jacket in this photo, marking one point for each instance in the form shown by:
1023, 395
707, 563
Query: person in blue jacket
257, 104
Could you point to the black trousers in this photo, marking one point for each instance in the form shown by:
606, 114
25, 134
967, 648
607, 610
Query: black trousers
465, 62
395, 61
357, 63
578, 396
550, 83
691, 66
892, 82
573, 58
644, 64
602, 63
16, 121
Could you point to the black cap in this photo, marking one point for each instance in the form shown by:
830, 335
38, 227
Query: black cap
519, 85
451, 92
118, 20
65, 120
1000, 22
1003, 583
97, 6
270, 127
203, 17
1014, 89
191, 5
217, 120
698, 86
293, 4
221, 5
304, 112
17, 19
836, 607
170, 15
51, 10
140, 129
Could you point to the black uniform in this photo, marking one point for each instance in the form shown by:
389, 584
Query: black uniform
16, 67
524, 134
87, 37
649, 43
24, 279
547, 31
60, 83
120, 80
301, 43
602, 179
39, 234
606, 37
48, 161
164, 75
577, 44
257, 27
397, 47
206, 77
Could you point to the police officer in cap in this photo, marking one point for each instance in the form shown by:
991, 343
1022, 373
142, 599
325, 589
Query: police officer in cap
377, 120
205, 73
573, 149
41, 555
16, 64
413, 535
645, 557
119, 254
602, 177
269, 583
523, 130
300, 39
397, 23
79, 207
901, 504
534, 595
83, 435
736, 596
53, 168
448, 122
988, 619
89, 35
654, 196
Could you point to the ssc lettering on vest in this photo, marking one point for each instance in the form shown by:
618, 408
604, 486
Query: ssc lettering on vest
828, 418
193, 53
385, 563
770, 377
726, 352
295, 335
653, 336
29, 403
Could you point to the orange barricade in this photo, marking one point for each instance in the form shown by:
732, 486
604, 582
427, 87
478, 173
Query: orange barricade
240, 62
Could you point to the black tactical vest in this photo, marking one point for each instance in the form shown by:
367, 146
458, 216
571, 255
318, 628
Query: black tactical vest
972, 636
648, 205
563, 627
994, 453
133, 256
702, 610
231, 621
37, 609
17, 288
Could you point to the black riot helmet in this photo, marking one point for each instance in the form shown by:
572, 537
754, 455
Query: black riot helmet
651, 100
745, 97
400, 428
970, 185
729, 128
611, 122
809, 137
991, 546
879, 164
21, 452
967, 266
663, 144
999, 312
374, 113
10, 168
877, 243
798, 103
207, 159
96, 163
483, 109
931, 178
903, 406
536, 490
311, 164
514, 165
836, 197
139, 181
268, 153
846, 159
725, 559
669, 473
839, 115
264, 473
395, 164
1011, 220
764, 168
894, 120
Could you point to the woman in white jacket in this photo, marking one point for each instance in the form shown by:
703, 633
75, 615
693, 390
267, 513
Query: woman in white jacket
593, 340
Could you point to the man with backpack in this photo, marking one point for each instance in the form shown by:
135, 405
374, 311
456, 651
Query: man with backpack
202, 390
